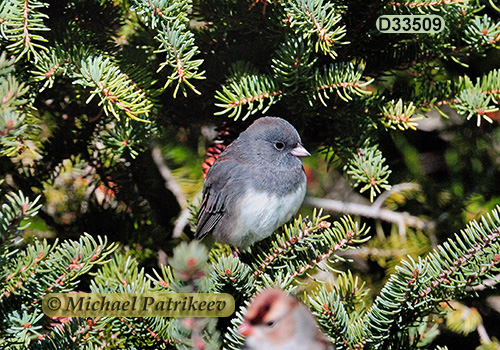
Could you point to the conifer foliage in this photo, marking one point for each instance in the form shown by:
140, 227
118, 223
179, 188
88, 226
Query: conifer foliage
91, 89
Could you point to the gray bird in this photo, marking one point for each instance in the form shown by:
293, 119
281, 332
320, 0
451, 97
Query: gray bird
256, 184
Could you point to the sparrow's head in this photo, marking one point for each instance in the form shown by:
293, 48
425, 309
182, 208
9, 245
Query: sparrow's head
270, 316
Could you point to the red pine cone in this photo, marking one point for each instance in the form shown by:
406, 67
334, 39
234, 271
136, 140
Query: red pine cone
225, 135
212, 153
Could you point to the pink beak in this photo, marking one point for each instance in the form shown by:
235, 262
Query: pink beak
300, 151
245, 329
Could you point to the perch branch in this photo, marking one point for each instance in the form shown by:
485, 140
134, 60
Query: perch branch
403, 219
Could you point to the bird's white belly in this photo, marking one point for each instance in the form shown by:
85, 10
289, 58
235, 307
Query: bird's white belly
260, 213
296, 343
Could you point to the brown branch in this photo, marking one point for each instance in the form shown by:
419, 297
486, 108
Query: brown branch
154, 335
454, 100
180, 70
288, 245
51, 71
336, 86
322, 32
183, 220
403, 219
171, 184
483, 334
324, 256
27, 38
170, 181
485, 284
254, 98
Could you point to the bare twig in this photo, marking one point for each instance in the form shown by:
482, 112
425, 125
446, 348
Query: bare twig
172, 185
170, 182
181, 222
488, 283
483, 334
403, 219
183, 219
406, 186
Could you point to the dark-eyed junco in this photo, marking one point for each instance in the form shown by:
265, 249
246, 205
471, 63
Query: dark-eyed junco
277, 321
256, 184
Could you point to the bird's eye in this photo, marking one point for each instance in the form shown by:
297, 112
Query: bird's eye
270, 323
279, 145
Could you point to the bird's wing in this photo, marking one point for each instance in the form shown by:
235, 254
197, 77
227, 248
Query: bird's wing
215, 197
322, 339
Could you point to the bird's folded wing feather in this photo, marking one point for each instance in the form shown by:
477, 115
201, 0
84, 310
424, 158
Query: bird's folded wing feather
215, 197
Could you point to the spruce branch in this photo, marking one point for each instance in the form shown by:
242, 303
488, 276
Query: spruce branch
20, 21
142, 332
115, 89
39, 269
336, 305
482, 32
26, 266
473, 104
367, 168
12, 130
155, 12
470, 99
418, 286
292, 44
189, 274
73, 334
247, 87
71, 259
123, 275
318, 19
494, 6
42, 269
230, 275
170, 19
303, 245
233, 340
25, 325
293, 64
487, 283
10, 90
476, 100
50, 65
433, 5
126, 136
179, 46
293, 70
343, 78
15, 213
13, 121
397, 114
